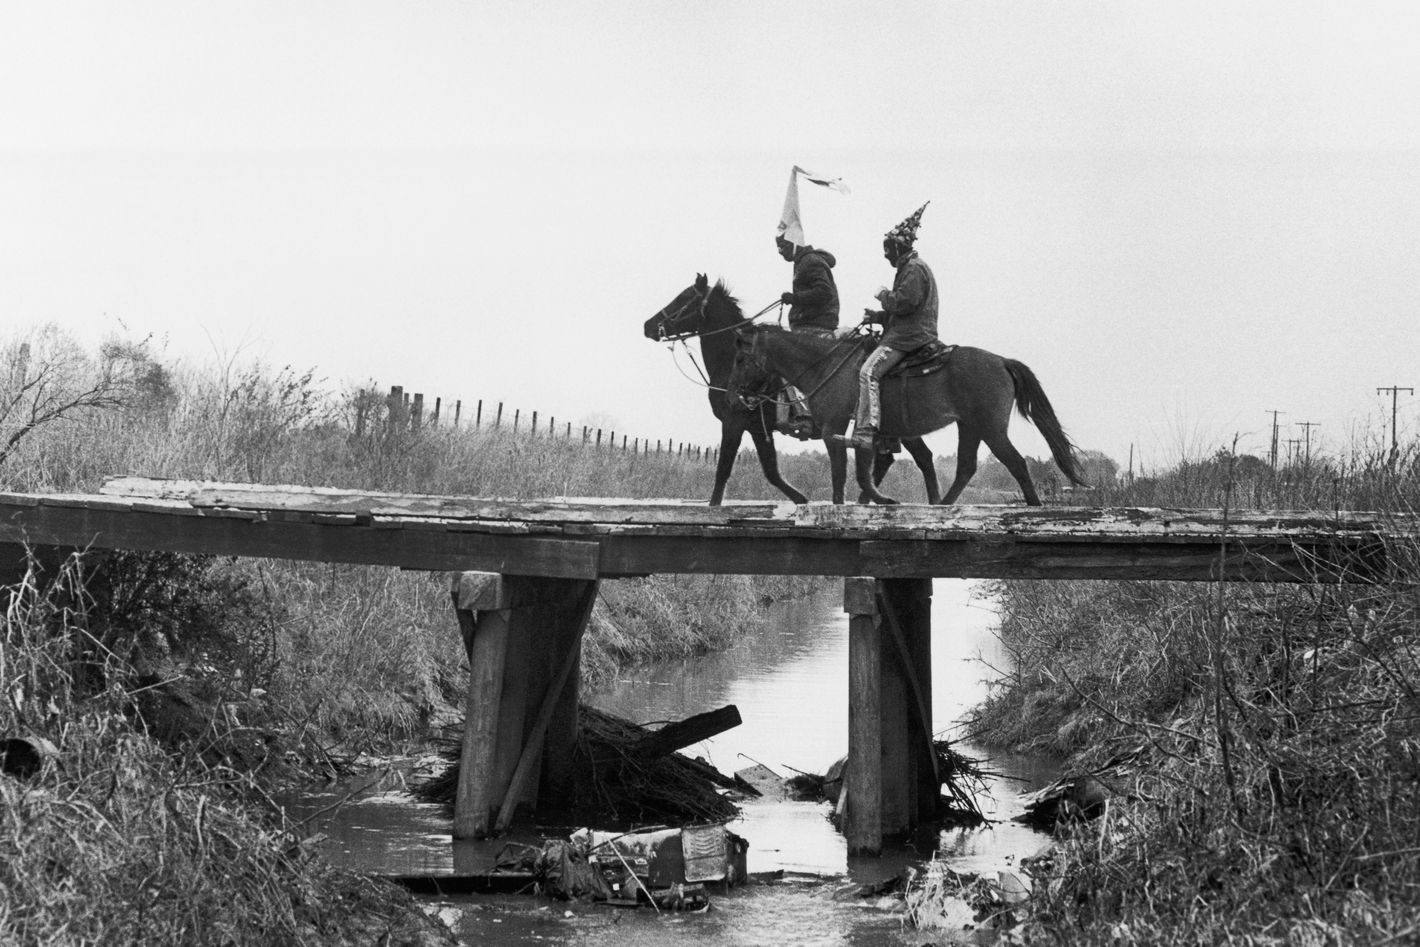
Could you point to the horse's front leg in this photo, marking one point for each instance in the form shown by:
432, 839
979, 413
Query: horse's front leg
769, 460
732, 431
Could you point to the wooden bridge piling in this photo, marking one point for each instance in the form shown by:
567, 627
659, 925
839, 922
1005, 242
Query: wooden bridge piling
892, 780
862, 780
522, 635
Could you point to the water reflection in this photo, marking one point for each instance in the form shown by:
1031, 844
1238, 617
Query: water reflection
789, 680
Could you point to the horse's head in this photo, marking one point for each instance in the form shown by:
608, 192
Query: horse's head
683, 316
750, 379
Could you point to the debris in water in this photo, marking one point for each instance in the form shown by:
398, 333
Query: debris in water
617, 782
667, 868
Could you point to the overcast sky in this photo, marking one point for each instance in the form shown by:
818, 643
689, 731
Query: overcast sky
1182, 216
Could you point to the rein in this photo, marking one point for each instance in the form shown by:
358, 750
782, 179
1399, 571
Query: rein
683, 337
701, 333
848, 355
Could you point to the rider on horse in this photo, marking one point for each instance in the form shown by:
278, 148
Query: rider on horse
813, 301
909, 315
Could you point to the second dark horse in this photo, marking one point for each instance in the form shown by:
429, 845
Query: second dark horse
711, 314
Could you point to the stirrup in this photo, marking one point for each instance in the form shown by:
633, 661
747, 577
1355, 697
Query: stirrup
861, 438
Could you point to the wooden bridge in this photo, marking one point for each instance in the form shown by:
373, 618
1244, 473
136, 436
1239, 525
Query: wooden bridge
523, 624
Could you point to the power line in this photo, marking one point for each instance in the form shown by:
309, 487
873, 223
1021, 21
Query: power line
1394, 407
1273, 455
1306, 427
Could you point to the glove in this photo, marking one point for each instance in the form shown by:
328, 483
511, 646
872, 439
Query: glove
787, 299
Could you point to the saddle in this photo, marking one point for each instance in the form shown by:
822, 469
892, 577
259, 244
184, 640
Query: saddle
925, 360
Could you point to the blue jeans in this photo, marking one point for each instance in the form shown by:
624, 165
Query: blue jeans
875, 366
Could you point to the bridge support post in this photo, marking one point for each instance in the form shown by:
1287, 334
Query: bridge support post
862, 779
891, 780
523, 638
907, 617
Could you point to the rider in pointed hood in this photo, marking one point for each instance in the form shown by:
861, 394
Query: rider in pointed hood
812, 302
909, 315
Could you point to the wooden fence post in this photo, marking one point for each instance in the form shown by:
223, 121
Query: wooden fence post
416, 413
478, 418
395, 416
498, 421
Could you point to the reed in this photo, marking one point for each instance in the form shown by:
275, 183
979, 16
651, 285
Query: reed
117, 840
1261, 743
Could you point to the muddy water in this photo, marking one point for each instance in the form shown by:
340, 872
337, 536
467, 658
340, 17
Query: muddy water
789, 681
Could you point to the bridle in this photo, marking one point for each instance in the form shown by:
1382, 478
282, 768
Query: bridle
747, 396
700, 301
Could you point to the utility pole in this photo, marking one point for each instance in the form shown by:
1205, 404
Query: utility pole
1292, 444
1306, 427
1273, 455
1394, 407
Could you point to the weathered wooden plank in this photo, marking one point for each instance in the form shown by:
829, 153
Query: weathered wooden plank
474, 798
860, 595
682, 733
306, 541
1256, 561
758, 538
942, 522
77, 500
746, 556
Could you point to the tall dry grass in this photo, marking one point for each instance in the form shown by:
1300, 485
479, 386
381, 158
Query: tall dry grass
363, 655
1261, 742
116, 839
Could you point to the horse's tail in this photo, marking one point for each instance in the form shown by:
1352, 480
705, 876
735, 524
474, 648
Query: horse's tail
1035, 407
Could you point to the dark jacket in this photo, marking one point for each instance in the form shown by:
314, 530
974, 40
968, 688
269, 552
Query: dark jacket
815, 293
910, 310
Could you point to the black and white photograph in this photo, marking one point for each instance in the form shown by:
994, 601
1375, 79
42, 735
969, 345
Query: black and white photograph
913, 473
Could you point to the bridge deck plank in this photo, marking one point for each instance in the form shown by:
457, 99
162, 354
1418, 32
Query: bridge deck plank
586, 537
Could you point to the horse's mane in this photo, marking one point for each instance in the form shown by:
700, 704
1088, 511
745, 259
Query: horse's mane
723, 291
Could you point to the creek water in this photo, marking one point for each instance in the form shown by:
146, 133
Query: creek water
789, 680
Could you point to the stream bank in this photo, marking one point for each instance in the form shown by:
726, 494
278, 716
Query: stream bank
789, 680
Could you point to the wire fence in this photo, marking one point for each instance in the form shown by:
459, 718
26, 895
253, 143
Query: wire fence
404, 411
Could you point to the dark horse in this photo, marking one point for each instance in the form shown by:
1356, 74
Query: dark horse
976, 389
713, 315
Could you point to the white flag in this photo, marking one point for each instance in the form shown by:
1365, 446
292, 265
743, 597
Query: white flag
791, 228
